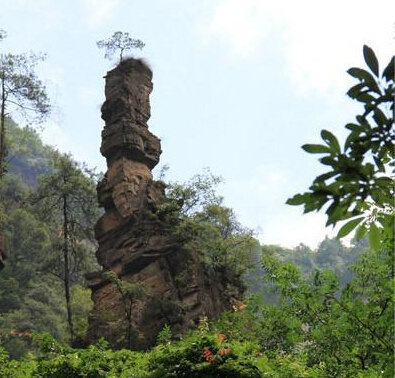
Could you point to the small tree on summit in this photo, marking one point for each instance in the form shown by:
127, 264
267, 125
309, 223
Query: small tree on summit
119, 41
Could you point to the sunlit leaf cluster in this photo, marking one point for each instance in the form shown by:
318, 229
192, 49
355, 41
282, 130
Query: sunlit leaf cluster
359, 184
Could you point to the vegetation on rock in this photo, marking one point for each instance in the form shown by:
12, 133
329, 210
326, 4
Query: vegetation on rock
119, 41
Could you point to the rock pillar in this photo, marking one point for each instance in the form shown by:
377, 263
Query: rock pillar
135, 243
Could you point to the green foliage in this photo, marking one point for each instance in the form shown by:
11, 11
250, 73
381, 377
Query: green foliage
331, 254
165, 335
119, 41
39, 307
188, 357
30, 290
130, 292
20, 369
309, 335
81, 306
67, 198
344, 331
350, 331
28, 157
25, 232
198, 354
21, 92
192, 196
359, 184
208, 228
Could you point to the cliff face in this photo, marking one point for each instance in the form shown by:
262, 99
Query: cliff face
157, 281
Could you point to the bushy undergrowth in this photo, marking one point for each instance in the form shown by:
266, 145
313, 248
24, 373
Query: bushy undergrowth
236, 346
199, 354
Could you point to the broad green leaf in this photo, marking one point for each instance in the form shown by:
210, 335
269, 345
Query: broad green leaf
297, 199
351, 138
388, 72
374, 237
335, 210
366, 77
365, 98
377, 195
327, 160
371, 60
362, 121
380, 117
316, 148
331, 140
348, 227
353, 127
388, 223
355, 90
374, 146
315, 202
361, 231
325, 176
386, 182
379, 164
367, 169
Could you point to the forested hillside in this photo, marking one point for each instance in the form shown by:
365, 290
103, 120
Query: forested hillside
331, 254
31, 284
28, 157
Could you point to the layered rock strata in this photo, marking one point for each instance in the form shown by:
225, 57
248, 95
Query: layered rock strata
135, 242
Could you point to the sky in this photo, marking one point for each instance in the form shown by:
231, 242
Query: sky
239, 86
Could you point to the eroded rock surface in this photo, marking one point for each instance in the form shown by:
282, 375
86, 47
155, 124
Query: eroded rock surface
135, 242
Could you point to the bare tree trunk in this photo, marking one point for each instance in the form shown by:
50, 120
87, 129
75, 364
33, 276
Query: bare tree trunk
129, 319
2, 164
66, 265
2, 129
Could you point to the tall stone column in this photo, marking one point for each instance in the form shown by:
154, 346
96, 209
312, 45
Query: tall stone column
135, 243
127, 193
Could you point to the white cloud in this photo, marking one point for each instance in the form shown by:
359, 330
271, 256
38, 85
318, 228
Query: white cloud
319, 40
89, 94
241, 24
99, 10
267, 179
54, 135
289, 229
55, 75
266, 213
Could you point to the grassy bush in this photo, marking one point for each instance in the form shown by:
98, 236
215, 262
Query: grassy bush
196, 355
